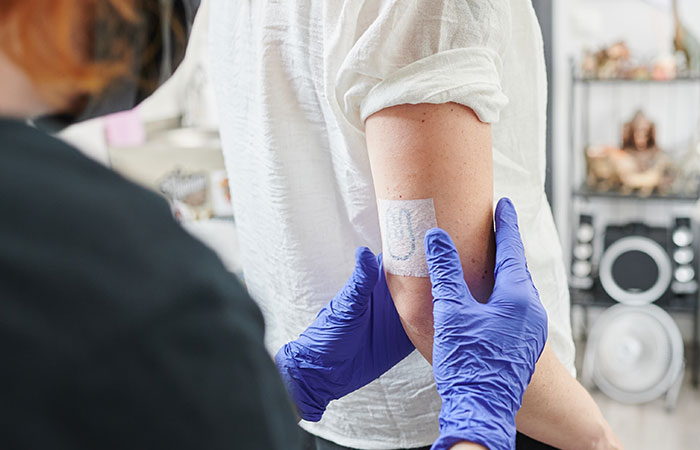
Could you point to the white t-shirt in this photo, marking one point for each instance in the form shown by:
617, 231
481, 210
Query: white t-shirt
295, 80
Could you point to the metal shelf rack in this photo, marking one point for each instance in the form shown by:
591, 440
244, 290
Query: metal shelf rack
582, 197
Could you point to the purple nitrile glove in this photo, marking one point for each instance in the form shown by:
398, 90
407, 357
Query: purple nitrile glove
355, 339
484, 354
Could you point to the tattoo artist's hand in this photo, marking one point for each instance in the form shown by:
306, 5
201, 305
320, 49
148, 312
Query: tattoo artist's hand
484, 354
355, 338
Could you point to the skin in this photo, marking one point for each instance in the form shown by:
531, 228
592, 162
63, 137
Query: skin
443, 152
401, 171
558, 410
18, 98
468, 446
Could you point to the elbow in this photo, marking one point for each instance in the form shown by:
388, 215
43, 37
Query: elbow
604, 438
414, 303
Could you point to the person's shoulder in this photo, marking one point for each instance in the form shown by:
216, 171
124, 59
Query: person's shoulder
45, 180
76, 234
98, 228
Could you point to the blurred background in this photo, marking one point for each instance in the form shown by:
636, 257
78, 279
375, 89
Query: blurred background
625, 141
623, 146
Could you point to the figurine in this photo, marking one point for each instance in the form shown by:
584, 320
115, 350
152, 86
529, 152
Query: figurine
611, 61
664, 68
638, 166
639, 134
589, 65
603, 166
685, 43
615, 62
652, 167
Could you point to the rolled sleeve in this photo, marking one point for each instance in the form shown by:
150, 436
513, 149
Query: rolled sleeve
468, 76
424, 51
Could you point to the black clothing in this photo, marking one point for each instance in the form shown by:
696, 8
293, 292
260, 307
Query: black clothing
117, 329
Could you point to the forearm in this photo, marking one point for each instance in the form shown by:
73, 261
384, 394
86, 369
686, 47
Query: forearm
557, 410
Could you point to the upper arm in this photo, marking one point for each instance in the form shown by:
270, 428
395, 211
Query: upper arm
442, 152
425, 88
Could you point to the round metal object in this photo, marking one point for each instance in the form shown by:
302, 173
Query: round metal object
581, 269
682, 236
644, 253
585, 233
683, 255
583, 251
638, 352
684, 274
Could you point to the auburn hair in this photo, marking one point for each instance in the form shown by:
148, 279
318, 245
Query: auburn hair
54, 43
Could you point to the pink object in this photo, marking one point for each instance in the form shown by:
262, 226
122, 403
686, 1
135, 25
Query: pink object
125, 129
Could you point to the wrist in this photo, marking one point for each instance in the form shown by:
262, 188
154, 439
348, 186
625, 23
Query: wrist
299, 383
477, 416
468, 446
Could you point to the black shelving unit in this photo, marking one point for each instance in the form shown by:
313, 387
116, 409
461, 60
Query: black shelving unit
581, 196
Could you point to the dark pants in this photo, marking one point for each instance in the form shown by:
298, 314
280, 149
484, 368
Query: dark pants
311, 442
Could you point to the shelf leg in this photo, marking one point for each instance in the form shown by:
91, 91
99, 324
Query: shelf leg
695, 369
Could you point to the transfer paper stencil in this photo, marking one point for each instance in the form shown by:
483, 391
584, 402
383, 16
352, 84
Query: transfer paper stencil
404, 224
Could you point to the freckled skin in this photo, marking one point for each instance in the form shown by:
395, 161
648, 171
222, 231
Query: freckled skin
443, 152
420, 151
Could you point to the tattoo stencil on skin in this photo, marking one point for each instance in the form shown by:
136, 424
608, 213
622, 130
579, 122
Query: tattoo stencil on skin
404, 224
400, 234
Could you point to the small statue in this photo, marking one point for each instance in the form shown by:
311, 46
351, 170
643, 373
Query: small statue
686, 43
589, 65
638, 166
603, 165
652, 167
639, 134
612, 60
608, 62
664, 68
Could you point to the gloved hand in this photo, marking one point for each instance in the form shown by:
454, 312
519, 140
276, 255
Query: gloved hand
355, 338
484, 354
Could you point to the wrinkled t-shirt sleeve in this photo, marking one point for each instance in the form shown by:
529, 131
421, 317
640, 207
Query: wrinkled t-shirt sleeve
429, 52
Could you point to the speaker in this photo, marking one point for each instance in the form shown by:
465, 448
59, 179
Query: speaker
635, 267
634, 354
582, 254
634, 351
683, 256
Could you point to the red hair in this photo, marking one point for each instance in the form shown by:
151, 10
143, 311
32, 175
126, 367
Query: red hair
53, 43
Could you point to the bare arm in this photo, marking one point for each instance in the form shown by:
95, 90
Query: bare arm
443, 152
556, 408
